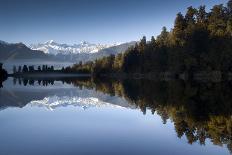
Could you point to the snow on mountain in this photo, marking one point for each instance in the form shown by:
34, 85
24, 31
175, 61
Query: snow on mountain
51, 47
53, 102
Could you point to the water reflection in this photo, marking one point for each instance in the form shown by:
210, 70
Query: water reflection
53, 102
53, 93
199, 111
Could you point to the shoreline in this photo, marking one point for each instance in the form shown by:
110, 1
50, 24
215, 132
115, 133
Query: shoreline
211, 76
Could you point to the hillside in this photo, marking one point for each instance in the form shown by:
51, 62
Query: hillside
19, 51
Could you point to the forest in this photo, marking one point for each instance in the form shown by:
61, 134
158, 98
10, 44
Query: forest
199, 42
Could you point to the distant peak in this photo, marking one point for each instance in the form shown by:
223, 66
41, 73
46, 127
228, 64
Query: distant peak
84, 43
49, 42
55, 48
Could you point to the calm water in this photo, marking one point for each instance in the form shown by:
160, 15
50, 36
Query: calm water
88, 116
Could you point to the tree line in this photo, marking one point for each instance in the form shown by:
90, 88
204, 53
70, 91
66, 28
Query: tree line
199, 41
25, 69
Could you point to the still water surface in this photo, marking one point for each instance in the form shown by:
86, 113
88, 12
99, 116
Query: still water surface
86, 117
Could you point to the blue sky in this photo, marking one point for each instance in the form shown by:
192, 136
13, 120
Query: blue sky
97, 21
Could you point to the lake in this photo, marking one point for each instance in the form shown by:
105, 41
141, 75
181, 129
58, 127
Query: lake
106, 116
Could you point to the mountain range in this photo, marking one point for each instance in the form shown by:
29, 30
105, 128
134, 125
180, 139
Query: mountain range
52, 47
17, 51
53, 51
84, 51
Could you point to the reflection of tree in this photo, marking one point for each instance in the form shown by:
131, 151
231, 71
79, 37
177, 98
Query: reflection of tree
25, 81
46, 81
3, 75
198, 110
32, 82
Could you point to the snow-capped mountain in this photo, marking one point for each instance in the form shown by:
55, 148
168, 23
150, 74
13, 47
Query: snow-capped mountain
52, 51
51, 47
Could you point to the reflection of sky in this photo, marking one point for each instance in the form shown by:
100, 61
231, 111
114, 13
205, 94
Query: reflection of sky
98, 130
69, 130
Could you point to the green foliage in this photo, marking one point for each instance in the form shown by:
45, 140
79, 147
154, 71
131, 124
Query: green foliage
218, 20
202, 16
190, 16
179, 27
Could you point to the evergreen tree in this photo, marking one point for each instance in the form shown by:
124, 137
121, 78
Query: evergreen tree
190, 16
162, 39
39, 68
52, 68
14, 69
201, 15
25, 69
44, 68
179, 27
20, 69
142, 44
217, 21
153, 42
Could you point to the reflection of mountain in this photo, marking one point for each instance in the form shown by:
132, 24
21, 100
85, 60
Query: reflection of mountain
199, 111
53, 102
56, 96
18, 98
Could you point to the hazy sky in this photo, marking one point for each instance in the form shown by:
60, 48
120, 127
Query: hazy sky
98, 21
